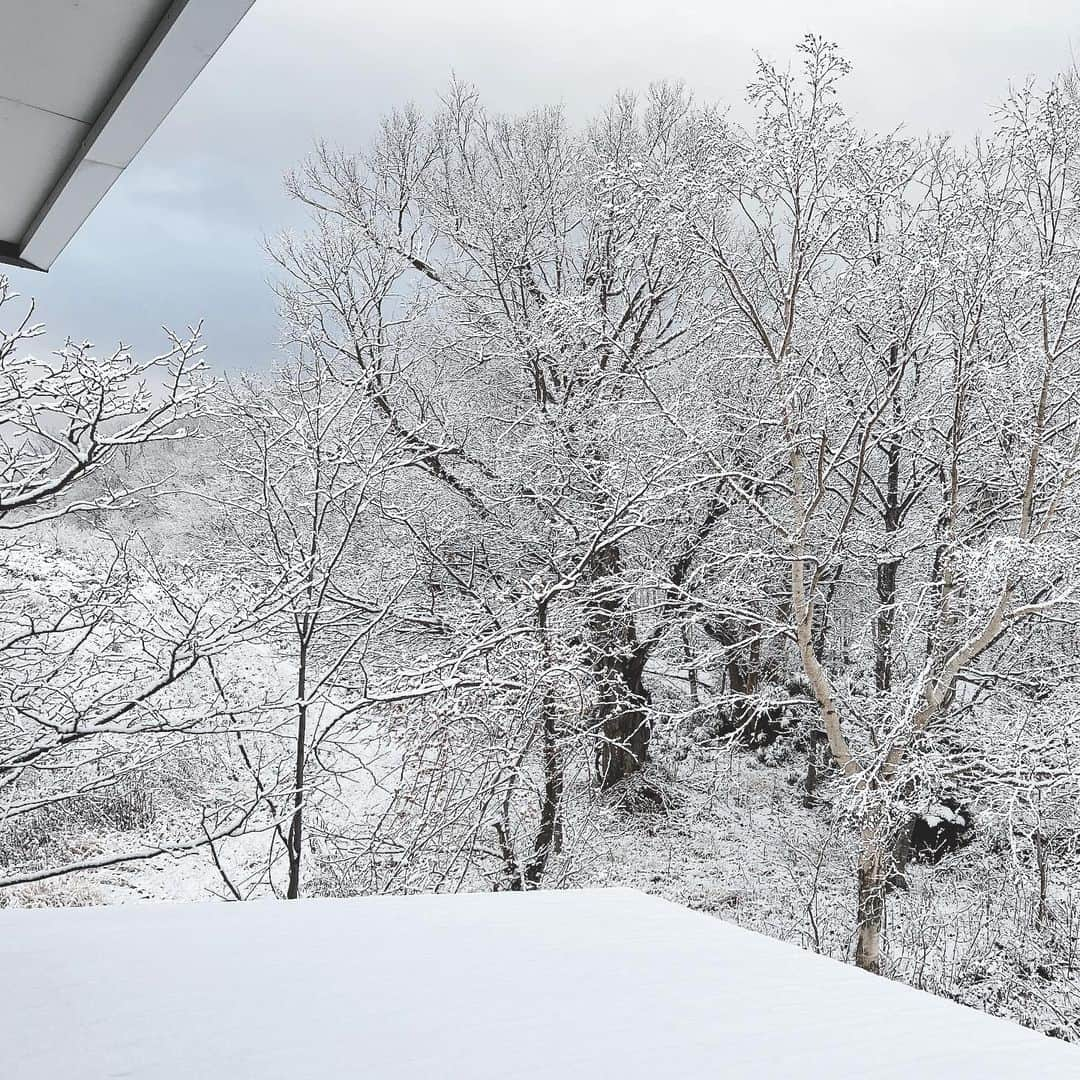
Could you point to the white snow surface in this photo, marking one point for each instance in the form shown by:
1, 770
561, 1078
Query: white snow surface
593, 983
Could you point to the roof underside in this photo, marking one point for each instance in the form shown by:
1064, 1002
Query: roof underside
83, 84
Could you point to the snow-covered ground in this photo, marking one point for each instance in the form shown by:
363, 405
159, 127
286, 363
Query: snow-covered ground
595, 983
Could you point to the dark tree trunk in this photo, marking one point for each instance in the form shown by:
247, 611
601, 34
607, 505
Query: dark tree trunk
623, 724
295, 836
745, 716
901, 856
548, 838
1042, 859
817, 761
624, 720
691, 669
892, 511
744, 677
883, 625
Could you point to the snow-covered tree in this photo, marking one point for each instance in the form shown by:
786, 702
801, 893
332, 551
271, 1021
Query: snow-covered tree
94, 652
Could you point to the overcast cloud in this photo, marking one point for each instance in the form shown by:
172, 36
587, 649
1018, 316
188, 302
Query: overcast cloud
180, 237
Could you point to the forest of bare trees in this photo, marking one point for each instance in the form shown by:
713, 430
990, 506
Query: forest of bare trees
664, 500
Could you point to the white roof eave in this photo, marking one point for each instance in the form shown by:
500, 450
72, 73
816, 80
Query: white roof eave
187, 36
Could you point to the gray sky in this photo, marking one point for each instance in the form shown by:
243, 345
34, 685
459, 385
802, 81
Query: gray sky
180, 236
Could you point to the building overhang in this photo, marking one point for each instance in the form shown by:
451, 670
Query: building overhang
83, 85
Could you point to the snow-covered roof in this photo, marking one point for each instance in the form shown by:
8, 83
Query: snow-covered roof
603, 983
83, 84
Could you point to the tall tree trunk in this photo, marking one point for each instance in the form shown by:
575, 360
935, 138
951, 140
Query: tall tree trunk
691, 669
1042, 859
624, 725
622, 720
744, 677
296, 824
885, 618
883, 625
870, 902
547, 839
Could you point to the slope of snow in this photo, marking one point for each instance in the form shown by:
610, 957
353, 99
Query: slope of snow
596, 983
